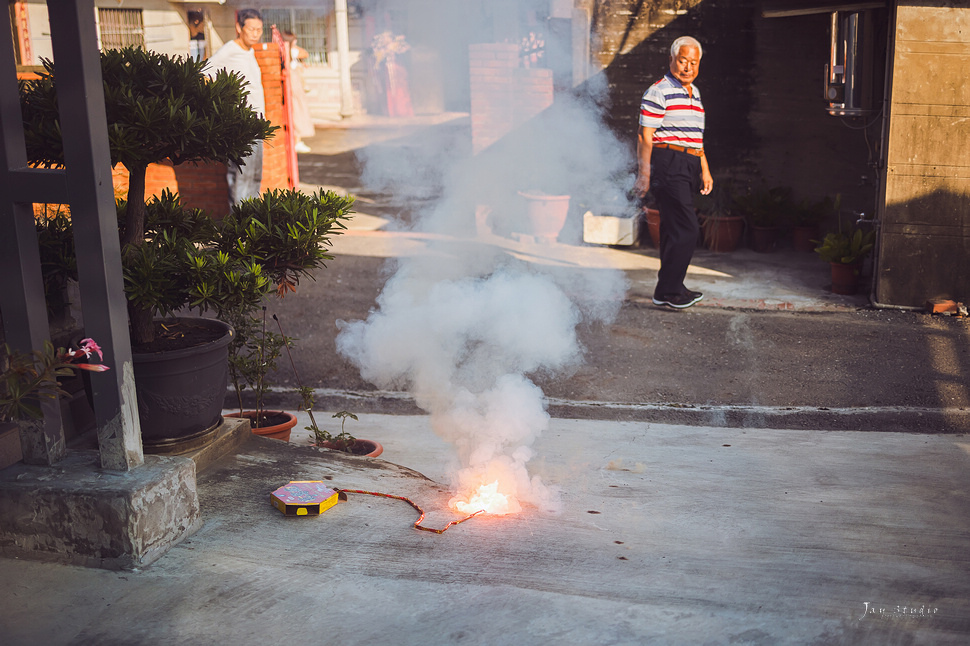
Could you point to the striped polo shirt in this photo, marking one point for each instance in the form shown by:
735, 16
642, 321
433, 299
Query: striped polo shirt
677, 116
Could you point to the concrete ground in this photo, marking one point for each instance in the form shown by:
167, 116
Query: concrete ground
666, 533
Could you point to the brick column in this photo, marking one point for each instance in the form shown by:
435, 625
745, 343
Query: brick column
503, 94
274, 149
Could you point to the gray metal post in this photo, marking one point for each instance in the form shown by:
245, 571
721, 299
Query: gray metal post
21, 288
87, 158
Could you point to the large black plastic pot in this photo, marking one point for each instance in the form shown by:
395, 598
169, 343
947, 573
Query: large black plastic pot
181, 392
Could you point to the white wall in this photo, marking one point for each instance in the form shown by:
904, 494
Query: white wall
40, 31
166, 28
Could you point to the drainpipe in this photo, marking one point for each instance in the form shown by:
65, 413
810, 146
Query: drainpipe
343, 59
884, 161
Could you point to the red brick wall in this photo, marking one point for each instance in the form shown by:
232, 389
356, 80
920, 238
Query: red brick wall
503, 95
199, 185
203, 185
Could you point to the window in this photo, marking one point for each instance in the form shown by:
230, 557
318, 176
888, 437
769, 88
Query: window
120, 28
308, 25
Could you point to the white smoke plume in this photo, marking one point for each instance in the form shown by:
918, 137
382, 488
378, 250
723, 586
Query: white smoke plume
465, 327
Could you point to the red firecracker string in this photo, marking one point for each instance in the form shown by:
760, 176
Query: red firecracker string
417, 523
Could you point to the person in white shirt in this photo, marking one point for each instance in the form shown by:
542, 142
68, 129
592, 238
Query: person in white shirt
238, 56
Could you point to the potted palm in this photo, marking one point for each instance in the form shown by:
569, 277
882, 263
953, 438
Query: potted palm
177, 259
721, 230
763, 210
807, 216
845, 251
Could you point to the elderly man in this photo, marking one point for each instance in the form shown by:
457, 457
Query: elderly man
670, 152
238, 56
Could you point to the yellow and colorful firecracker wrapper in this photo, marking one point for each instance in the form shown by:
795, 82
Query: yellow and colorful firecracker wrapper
304, 498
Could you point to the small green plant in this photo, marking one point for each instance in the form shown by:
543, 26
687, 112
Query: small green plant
253, 353
763, 207
846, 248
30, 377
342, 441
809, 214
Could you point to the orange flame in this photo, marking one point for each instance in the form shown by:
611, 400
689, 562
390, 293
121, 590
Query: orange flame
487, 499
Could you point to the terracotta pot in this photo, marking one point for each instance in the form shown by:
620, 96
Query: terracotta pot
764, 239
365, 448
653, 225
277, 424
545, 214
845, 277
722, 234
804, 238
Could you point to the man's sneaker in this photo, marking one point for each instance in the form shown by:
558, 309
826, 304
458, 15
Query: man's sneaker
678, 301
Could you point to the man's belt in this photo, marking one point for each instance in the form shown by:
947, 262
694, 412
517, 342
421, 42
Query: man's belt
696, 152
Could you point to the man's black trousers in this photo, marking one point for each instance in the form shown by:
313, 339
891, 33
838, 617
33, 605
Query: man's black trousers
675, 178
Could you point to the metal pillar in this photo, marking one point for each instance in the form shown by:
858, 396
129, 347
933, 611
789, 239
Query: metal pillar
87, 187
88, 162
22, 288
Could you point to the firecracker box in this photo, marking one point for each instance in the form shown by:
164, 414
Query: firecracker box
304, 498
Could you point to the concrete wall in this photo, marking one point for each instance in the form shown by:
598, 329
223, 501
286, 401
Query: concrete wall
925, 239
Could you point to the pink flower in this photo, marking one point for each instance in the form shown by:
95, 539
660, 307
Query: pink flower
93, 367
88, 346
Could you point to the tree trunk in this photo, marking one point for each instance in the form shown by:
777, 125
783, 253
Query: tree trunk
134, 233
140, 322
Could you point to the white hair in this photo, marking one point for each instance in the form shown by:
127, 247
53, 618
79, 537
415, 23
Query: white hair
685, 41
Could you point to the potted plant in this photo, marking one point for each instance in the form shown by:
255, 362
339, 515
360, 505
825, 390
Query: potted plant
721, 230
158, 107
651, 217
343, 441
763, 210
544, 199
253, 354
176, 258
28, 378
545, 214
845, 251
807, 216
